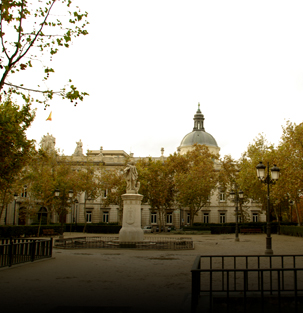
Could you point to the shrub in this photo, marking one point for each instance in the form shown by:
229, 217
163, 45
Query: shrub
25, 231
222, 229
292, 230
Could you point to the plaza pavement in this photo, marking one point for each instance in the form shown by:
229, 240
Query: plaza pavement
125, 280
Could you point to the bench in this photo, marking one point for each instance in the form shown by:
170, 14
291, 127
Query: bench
251, 230
49, 232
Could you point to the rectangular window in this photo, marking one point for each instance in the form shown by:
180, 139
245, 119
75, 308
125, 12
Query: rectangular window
154, 218
255, 217
188, 218
24, 192
222, 197
205, 218
105, 217
169, 218
88, 216
104, 194
222, 217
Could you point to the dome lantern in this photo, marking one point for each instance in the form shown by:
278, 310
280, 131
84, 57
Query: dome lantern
198, 120
198, 136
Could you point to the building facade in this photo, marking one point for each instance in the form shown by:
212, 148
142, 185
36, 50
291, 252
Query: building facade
219, 209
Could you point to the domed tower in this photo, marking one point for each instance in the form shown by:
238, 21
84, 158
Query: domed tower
198, 136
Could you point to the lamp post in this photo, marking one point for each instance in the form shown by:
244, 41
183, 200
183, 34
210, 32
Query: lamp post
76, 219
15, 197
236, 197
275, 171
70, 195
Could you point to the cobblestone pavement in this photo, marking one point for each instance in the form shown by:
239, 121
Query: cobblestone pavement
125, 280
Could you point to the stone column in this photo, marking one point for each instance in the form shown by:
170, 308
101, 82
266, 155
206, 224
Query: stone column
131, 230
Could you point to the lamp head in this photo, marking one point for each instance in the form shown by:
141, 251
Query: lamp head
57, 192
232, 195
275, 172
261, 170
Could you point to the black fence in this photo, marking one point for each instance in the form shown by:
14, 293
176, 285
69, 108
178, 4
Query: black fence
154, 243
16, 251
242, 283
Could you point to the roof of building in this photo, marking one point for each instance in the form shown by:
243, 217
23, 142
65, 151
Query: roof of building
198, 135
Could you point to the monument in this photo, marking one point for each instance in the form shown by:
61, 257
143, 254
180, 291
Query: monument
131, 230
79, 149
48, 143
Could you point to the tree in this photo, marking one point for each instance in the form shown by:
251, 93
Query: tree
228, 173
31, 32
157, 186
42, 176
114, 183
15, 148
290, 160
66, 179
229, 181
89, 184
259, 150
195, 182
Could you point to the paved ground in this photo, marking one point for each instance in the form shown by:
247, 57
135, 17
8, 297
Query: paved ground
125, 280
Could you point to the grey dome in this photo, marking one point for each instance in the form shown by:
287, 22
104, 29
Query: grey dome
199, 137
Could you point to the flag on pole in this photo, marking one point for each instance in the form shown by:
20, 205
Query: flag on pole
49, 117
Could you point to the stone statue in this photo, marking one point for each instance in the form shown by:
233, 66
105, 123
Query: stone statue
79, 149
48, 143
131, 176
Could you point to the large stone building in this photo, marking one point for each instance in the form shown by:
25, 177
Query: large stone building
218, 210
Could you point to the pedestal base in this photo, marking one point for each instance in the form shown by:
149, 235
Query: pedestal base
131, 230
131, 234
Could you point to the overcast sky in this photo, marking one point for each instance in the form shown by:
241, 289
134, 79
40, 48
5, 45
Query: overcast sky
147, 64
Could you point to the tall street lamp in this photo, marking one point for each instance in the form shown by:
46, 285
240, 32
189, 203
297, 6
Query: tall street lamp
275, 172
70, 195
15, 197
76, 215
236, 197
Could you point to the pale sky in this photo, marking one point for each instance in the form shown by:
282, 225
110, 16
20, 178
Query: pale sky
147, 64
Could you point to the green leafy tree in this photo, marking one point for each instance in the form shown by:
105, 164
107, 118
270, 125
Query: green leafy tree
197, 179
89, 183
15, 149
66, 179
228, 181
114, 183
259, 151
228, 173
157, 186
290, 162
42, 176
31, 34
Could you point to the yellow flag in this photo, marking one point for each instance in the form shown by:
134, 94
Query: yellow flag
49, 117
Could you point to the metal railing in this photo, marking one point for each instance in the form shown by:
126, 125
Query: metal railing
16, 251
251, 280
167, 243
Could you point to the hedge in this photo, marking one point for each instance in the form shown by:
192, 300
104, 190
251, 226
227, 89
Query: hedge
26, 231
32, 230
100, 228
209, 226
222, 229
292, 231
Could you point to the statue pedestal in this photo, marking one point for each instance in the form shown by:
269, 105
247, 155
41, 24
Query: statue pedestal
131, 230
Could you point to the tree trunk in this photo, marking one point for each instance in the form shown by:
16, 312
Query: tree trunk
297, 213
277, 217
192, 217
84, 228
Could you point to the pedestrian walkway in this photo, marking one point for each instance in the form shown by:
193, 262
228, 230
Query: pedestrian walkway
125, 280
